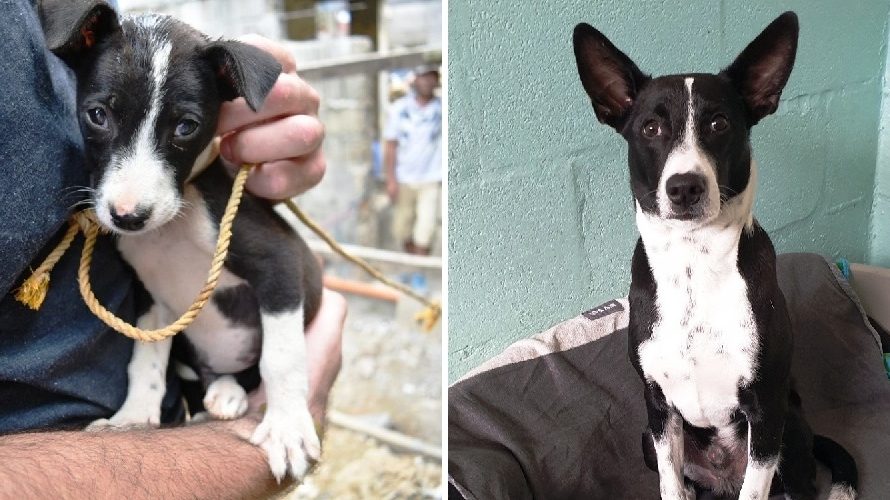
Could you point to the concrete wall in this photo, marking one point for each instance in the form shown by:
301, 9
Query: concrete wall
540, 222
879, 247
218, 18
348, 112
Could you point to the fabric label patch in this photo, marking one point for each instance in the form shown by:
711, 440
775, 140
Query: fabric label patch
601, 311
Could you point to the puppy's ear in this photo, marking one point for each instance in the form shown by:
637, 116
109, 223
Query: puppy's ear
243, 70
610, 78
761, 71
72, 28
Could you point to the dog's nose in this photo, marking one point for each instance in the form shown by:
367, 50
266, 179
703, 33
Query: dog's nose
685, 190
130, 221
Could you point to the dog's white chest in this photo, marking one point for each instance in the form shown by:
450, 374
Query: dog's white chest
173, 262
704, 342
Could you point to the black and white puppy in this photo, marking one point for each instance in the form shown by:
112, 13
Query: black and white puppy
709, 331
149, 90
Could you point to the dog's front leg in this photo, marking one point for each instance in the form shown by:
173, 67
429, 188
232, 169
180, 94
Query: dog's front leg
764, 444
147, 378
666, 427
287, 432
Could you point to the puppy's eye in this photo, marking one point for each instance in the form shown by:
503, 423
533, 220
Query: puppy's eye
98, 117
651, 129
185, 127
719, 123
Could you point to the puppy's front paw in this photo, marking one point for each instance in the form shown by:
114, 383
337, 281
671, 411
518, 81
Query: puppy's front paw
126, 418
98, 425
290, 442
674, 491
225, 399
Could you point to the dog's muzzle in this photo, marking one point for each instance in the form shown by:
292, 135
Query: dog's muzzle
686, 193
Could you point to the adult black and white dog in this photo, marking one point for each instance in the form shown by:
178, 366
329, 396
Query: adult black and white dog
149, 90
709, 331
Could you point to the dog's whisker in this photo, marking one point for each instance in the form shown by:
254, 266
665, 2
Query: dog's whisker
75, 191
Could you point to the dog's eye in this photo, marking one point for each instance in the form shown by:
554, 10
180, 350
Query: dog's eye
98, 117
651, 129
719, 123
185, 128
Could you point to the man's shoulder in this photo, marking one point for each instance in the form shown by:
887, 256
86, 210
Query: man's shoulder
402, 103
408, 104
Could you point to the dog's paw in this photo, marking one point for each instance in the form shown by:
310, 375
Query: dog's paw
290, 442
225, 399
199, 418
127, 419
673, 491
99, 425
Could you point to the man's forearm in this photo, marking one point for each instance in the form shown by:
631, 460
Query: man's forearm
199, 461
389, 160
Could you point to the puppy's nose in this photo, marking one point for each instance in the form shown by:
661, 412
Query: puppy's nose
130, 221
685, 190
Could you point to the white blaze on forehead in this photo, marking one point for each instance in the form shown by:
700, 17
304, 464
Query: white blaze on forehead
148, 21
688, 157
138, 176
160, 60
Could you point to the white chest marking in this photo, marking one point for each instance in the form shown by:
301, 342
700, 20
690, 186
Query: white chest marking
704, 342
173, 262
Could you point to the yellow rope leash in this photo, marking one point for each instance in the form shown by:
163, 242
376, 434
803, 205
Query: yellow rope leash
33, 291
427, 318
91, 231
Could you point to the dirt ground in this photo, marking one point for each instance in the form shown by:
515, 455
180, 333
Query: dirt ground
392, 377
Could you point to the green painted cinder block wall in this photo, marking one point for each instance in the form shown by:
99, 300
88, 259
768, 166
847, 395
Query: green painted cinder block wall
540, 214
879, 246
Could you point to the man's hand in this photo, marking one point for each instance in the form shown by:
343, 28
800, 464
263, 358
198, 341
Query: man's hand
390, 149
392, 189
284, 137
324, 351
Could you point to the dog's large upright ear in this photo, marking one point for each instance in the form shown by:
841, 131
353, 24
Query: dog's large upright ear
243, 70
73, 27
610, 78
761, 71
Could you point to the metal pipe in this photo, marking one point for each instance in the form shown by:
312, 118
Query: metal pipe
360, 288
395, 439
378, 255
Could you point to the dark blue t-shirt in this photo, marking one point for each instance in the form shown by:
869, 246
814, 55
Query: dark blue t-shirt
59, 366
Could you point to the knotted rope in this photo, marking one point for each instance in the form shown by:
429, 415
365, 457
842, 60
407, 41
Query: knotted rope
33, 291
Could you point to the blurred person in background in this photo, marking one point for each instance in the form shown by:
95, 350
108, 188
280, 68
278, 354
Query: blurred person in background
412, 162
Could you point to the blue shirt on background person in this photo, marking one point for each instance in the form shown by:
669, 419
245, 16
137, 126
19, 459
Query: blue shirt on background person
60, 367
